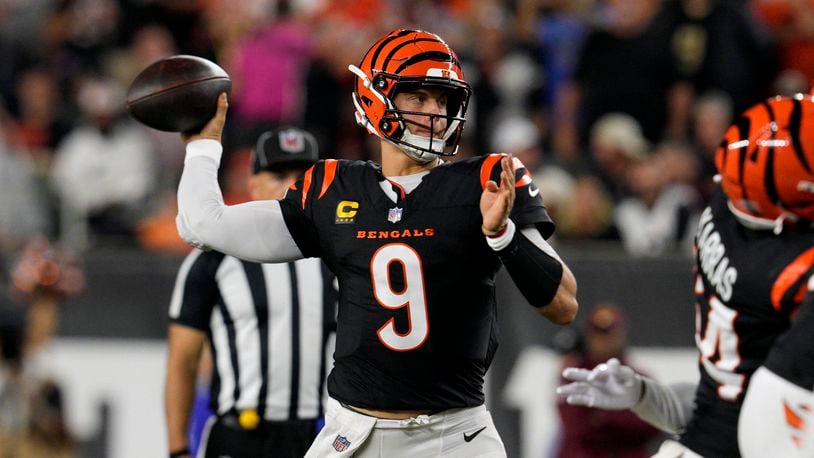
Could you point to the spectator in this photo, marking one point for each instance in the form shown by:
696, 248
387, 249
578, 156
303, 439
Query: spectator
151, 43
626, 57
659, 215
23, 209
592, 433
585, 209
268, 71
104, 170
41, 123
616, 144
712, 114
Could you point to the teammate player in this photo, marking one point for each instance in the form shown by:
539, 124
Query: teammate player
754, 260
269, 328
415, 242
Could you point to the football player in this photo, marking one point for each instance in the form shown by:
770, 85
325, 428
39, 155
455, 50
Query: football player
415, 242
754, 261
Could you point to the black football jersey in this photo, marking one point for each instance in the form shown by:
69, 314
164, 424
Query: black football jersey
748, 285
416, 327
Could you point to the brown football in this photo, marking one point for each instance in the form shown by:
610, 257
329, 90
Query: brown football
177, 94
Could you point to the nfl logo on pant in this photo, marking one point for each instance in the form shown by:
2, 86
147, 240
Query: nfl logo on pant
341, 443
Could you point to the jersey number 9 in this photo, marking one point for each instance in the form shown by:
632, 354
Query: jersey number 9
412, 296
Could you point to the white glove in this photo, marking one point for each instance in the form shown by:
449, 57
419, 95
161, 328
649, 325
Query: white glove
609, 386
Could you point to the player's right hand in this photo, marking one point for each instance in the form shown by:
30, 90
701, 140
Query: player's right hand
609, 386
214, 128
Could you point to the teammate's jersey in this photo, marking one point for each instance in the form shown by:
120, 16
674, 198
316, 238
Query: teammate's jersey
792, 356
748, 285
417, 320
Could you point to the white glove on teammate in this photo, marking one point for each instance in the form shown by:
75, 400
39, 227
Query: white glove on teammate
609, 386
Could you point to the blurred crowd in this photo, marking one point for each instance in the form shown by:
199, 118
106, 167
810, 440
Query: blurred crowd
616, 105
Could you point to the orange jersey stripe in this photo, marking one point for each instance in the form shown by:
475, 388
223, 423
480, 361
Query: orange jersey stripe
790, 275
330, 174
524, 180
486, 168
306, 184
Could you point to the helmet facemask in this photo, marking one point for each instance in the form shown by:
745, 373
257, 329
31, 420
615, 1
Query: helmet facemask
394, 125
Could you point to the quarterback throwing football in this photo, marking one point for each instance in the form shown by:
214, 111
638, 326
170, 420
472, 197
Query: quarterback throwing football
415, 243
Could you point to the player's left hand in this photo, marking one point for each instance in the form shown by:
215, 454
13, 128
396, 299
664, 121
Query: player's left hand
496, 202
609, 386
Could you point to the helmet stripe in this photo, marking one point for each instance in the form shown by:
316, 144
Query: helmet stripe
383, 44
401, 45
768, 173
743, 124
794, 129
437, 56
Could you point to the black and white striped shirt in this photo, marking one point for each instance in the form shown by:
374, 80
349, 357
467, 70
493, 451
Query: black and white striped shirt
270, 328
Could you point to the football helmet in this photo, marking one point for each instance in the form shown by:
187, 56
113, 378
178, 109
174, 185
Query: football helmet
403, 61
766, 163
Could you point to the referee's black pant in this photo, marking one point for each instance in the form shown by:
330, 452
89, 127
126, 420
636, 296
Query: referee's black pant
271, 439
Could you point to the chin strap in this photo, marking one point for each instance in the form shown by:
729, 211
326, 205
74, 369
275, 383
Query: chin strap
761, 224
778, 224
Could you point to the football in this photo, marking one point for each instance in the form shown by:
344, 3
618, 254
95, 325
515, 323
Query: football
177, 94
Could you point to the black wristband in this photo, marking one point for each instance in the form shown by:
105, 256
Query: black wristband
179, 453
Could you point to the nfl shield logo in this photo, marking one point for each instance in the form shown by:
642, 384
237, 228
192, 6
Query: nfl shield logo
291, 141
394, 215
341, 443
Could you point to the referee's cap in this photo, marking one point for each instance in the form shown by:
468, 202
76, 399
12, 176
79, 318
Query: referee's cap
284, 147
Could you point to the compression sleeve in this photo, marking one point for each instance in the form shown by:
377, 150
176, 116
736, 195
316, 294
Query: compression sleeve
254, 231
667, 407
531, 262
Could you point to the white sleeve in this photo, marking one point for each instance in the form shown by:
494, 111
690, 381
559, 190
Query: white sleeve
254, 231
776, 418
667, 407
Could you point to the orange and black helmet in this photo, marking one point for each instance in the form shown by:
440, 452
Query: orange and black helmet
401, 61
766, 162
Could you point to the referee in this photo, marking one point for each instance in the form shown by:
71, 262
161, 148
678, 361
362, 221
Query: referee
268, 327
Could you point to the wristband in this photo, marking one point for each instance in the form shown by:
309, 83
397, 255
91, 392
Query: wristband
496, 233
502, 238
179, 453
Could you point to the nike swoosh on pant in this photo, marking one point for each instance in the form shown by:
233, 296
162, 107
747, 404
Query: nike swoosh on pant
469, 437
